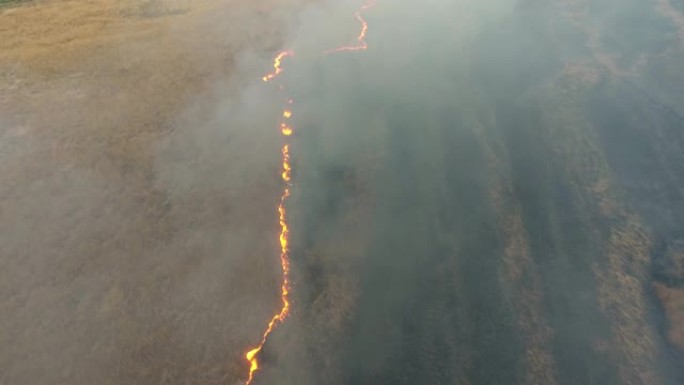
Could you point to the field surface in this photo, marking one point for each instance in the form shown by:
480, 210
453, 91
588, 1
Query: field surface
486, 195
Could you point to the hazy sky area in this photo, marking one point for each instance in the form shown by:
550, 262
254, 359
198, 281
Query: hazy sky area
491, 193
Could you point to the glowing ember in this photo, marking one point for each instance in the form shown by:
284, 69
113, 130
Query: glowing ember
285, 129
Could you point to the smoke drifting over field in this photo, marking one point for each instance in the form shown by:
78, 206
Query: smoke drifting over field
484, 196
460, 211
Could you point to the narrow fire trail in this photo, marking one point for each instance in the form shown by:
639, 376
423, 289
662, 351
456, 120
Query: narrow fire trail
286, 176
286, 131
361, 39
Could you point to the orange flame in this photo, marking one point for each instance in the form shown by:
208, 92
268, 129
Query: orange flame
361, 43
286, 130
286, 175
277, 65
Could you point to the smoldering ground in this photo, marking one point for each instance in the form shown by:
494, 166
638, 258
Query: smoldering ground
463, 210
478, 198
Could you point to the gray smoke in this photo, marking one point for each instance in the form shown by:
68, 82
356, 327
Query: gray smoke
484, 196
462, 211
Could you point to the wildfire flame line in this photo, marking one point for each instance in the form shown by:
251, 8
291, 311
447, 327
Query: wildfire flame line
277, 65
286, 130
361, 39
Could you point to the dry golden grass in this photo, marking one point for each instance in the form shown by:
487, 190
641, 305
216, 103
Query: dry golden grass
107, 274
47, 33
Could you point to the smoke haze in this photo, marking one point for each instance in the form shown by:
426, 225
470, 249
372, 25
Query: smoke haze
491, 193
464, 209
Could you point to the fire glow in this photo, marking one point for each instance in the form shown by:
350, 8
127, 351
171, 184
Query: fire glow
361, 43
287, 130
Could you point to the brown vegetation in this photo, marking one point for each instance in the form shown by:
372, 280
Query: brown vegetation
109, 272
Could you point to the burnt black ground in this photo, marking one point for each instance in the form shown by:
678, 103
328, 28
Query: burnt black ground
490, 218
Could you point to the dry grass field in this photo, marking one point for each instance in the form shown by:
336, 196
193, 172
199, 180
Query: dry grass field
126, 257
502, 206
